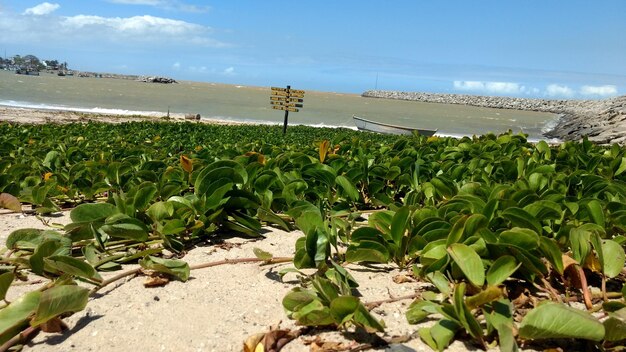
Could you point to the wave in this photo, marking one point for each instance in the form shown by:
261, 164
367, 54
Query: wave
95, 110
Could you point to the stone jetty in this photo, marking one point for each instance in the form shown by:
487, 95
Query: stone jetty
602, 121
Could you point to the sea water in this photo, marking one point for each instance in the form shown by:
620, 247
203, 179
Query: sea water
252, 104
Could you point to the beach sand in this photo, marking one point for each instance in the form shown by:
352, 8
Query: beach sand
40, 116
217, 309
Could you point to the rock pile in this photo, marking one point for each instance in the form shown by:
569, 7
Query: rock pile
602, 121
157, 79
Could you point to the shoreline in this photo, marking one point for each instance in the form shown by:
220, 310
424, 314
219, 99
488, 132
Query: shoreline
602, 121
31, 115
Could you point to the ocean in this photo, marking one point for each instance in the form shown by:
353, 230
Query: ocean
216, 101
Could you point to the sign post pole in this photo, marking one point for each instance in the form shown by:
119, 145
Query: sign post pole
286, 99
286, 115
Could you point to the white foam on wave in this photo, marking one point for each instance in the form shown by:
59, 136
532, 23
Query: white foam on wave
96, 110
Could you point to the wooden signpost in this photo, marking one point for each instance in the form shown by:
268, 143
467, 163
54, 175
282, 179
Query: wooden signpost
286, 99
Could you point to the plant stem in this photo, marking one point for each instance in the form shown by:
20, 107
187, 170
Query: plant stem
274, 260
26, 335
374, 304
135, 271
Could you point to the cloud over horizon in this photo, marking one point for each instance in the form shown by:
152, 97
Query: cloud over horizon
601, 91
88, 30
165, 4
42, 9
489, 87
553, 90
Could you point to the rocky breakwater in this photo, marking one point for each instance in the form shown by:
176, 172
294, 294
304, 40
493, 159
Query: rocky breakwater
602, 121
157, 79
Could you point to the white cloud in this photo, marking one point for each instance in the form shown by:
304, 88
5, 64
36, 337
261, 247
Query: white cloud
137, 2
176, 66
601, 91
557, 90
490, 87
154, 32
229, 71
137, 25
45, 8
165, 4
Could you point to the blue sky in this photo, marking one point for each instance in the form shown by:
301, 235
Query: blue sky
532, 48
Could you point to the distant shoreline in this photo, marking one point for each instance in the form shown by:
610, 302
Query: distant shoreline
602, 121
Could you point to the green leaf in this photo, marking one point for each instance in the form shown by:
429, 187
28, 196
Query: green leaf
46, 249
616, 258
367, 251
521, 237
552, 252
501, 318
399, 224
615, 326
348, 188
622, 167
469, 262
420, 310
176, 268
14, 317
521, 218
144, 195
457, 231
465, 316
271, 218
173, 227
31, 238
92, 212
343, 308
298, 298
59, 300
72, 266
596, 212
123, 226
554, 320
261, 254
501, 270
160, 211
5, 282
443, 332
363, 318
440, 281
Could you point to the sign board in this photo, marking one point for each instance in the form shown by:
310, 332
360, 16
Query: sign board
285, 108
281, 98
286, 99
282, 103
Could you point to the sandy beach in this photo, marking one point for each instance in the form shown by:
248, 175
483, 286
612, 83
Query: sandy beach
39, 116
219, 307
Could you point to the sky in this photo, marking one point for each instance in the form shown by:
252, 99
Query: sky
533, 48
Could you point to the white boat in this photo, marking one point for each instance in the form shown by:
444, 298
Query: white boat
379, 127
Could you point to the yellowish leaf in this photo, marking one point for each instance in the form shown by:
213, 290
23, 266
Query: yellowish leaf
186, 163
54, 325
47, 176
568, 261
8, 201
324, 146
592, 263
251, 343
260, 158
155, 281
